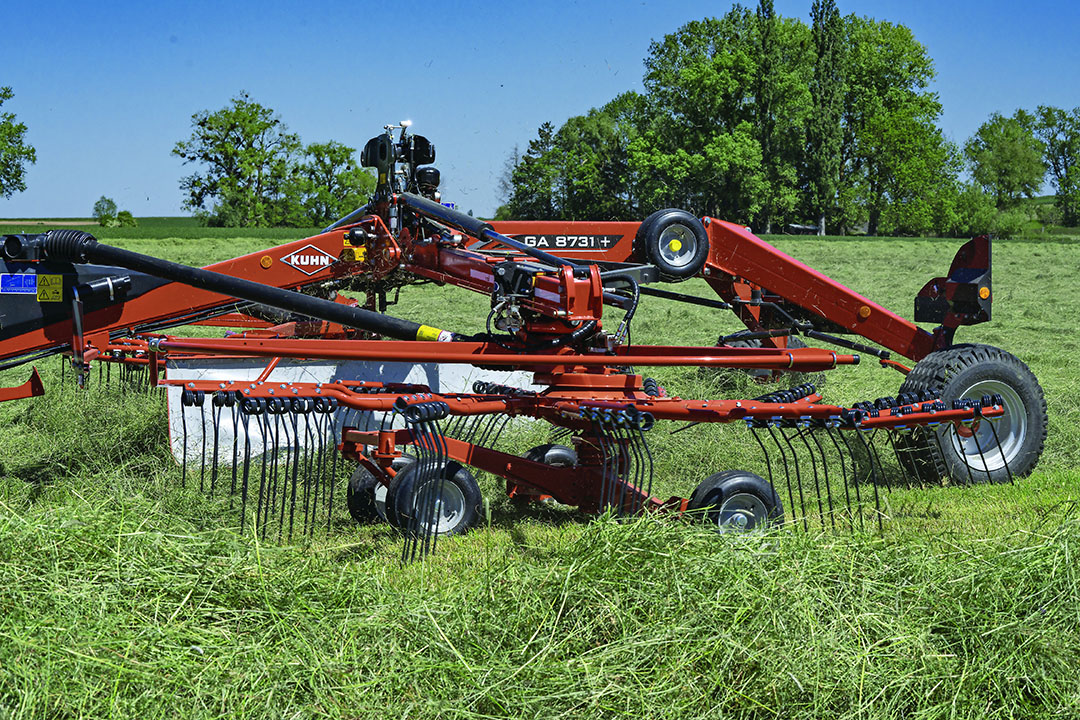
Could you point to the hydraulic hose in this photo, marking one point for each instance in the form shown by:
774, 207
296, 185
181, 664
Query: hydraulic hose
82, 247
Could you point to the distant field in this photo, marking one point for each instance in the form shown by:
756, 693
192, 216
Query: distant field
122, 595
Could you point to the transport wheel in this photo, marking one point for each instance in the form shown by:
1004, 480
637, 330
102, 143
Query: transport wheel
737, 501
675, 242
555, 455
456, 503
366, 496
972, 371
559, 456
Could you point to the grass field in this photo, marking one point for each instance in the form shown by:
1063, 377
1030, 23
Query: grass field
122, 596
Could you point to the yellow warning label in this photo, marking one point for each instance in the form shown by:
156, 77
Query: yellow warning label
50, 288
426, 332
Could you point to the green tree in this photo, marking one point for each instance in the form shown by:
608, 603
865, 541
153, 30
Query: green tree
332, 182
105, 212
124, 218
533, 179
699, 149
1006, 158
781, 102
15, 152
249, 162
1059, 132
897, 164
824, 131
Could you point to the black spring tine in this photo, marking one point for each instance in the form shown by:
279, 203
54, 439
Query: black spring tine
967, 465
812, 433
310, 489
787, 474
441, 479
648, 468
247, 468
800, 434
765, 454
891, 435
202, 464
873, 479
295, 471
332, 450
1001, 450
271, 504
606, 464
108, 374
235, 446
831, 432
264, 432
631, 466
798, 477
978, 446
183, 425
634, 440
215, 415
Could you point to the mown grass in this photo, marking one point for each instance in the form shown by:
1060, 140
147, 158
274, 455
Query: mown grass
121, 595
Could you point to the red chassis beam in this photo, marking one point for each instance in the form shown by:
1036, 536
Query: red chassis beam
737, 259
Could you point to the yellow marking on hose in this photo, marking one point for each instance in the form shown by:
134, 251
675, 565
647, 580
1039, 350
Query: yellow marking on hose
432, 334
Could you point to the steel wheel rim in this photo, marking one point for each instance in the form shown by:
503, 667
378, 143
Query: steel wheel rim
379, 492
1011, 430
684, 242
449, 505
742, 512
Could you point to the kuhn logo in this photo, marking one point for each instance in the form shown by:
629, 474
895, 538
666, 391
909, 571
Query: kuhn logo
309, 259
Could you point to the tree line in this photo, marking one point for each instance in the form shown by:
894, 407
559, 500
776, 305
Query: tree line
768, 121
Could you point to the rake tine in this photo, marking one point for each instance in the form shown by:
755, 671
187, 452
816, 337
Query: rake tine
787, 473
978, 446
183, 425
800, 434
829, 430
798, 477
1001, 450
891, 435
873, 471
824, 472
295, 471
247, 462
332, 450
202, 430
235, 409
215, 417
765, 454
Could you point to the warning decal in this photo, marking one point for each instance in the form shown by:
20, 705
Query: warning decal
50, 288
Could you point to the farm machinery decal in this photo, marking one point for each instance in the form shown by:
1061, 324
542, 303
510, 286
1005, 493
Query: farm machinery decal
965, 413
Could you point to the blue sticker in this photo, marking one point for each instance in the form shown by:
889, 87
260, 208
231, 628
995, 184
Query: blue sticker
18, 283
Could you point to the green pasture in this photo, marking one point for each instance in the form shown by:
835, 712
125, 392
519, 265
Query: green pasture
121, 595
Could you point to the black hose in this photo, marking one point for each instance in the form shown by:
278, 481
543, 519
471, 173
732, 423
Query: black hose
82, 247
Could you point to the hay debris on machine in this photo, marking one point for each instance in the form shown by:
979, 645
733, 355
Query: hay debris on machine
969, 413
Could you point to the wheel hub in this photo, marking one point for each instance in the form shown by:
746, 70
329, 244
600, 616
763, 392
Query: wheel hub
976, 445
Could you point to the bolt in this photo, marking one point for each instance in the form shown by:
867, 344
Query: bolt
271, 391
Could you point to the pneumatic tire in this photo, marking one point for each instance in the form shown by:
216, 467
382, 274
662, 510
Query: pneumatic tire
457, 506
737, 501
675, 242
971, 371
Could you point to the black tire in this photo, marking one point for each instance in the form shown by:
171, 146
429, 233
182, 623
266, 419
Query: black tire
460, 497
365, 496
675, 242
559, 456
737, 500
971, 371
554, 455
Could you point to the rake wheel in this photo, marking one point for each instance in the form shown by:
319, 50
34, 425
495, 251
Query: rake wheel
737, 501
457, 506
366, 496
971, 371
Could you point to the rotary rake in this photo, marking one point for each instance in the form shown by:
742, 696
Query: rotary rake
273, 440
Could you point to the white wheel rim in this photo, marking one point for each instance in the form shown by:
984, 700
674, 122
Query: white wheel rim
678, 245
380, 500
1011, 429
449, 505
742, 512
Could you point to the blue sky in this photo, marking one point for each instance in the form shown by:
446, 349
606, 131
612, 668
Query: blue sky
106, 89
